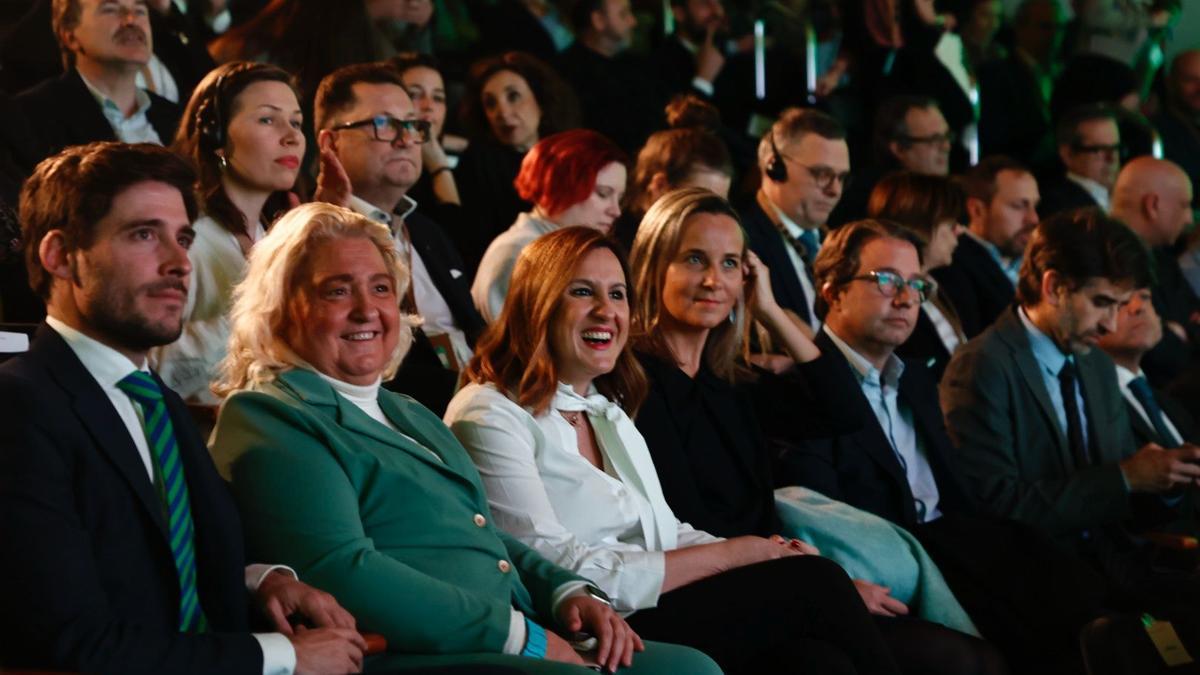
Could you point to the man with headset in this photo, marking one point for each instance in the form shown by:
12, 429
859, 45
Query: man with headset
804, 163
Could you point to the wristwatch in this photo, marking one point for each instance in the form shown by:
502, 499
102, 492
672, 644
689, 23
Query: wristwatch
595, 592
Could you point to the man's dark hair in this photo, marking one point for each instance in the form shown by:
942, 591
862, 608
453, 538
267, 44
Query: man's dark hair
74, 190
1066, 132
841, 253
581, 14
794, 124
891, 123
979, 181
1083, 244
335, 94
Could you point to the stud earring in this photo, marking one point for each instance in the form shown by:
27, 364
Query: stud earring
222, 162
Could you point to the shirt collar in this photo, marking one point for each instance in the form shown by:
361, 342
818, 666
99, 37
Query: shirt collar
362, 206
109, 105
1006, 263
864, 370
105, 364
1045, 351
1125, 376
1096, 190
792, 227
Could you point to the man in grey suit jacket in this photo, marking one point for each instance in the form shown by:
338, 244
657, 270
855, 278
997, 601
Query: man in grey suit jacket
1039, 420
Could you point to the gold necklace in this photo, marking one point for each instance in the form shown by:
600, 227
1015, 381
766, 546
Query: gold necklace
572, 417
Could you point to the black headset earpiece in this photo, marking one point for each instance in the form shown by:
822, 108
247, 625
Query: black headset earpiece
209, 120
776, 168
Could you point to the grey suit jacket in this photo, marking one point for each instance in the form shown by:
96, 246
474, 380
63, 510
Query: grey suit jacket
1013, 453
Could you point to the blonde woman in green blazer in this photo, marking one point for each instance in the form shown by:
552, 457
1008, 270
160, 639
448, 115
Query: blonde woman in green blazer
365, 492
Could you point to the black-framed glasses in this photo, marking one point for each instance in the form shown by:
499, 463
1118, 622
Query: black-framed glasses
932, 139
387, 128
824, 176
890, 283
1111, 150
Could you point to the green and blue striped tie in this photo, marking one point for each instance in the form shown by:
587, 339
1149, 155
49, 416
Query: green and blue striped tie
174, 492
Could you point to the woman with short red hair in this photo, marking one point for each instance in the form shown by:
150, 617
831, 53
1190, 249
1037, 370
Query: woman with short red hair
572, 178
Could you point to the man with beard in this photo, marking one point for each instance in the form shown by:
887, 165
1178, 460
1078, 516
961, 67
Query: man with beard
691, 58
1002, 200
104, 43
1040, 423
616, 88
120, 546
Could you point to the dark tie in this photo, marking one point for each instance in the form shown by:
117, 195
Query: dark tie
160, 434
1066, 381
806, 246
1144, 395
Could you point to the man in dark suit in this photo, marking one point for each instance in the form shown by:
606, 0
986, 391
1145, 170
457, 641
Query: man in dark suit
356, 106
30, 54
1089, 145
900, 465
120, 548
1002, 200
1179, 122
804, 162
1039, 420
1153, 197
1154, 415
690, 59
104, 44
616, 89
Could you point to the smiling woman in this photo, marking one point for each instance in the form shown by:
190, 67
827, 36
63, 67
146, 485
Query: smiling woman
242, 132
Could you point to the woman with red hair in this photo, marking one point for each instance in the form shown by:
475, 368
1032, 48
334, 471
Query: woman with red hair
572, 178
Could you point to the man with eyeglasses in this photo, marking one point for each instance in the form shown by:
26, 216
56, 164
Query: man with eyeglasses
805, 164
910, 134
1040, 423
900, 464
370, 140
1089, 145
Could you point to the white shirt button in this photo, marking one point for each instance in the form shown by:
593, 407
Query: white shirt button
503, 566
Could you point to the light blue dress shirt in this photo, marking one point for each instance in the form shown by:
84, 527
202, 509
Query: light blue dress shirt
882, 390
1050, 360
1010, 266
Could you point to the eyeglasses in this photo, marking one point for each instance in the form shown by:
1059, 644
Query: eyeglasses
890, 283
387, 128
932, 139
1097, 149
824, 176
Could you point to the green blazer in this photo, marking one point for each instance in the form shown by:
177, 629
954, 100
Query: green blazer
1011, 449
396, 527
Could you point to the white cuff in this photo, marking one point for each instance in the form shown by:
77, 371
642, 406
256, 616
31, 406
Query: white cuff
256, 573
516, 633
567, 590
703, 86
279, 656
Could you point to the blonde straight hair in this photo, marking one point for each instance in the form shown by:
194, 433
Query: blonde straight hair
654, 249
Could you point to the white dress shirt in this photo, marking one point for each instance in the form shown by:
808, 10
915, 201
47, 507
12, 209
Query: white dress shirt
810, 293
190, 364
882, 390
133, 128
496, 267
1124, 377
611, 526
438, 319
108, 367
1096, 190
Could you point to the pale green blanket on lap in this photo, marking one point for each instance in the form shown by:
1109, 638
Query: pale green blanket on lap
873, 549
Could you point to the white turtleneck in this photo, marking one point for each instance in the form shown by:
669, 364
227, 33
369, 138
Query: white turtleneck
366, 398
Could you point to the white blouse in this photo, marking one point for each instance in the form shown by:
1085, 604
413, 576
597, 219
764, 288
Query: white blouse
611, 526
189, 364
496, 267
